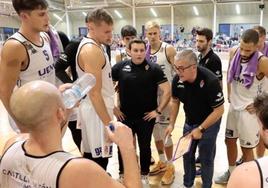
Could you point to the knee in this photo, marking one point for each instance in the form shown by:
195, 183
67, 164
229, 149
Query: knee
169, 142
230, 142
207, 161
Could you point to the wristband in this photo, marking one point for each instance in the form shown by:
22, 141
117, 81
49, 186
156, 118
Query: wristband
202, 129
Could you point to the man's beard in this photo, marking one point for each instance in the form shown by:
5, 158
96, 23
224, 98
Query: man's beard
245, 58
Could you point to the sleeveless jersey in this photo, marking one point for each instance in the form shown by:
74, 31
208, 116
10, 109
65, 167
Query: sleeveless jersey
124, 55
93, 131
240, 96
107, 89
160, 57
22, 170
40, 60
262, 164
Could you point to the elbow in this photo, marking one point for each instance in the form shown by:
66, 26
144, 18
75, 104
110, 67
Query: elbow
93, 94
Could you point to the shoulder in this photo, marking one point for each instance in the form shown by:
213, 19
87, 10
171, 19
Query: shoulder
215, 56
154, 66
205, 72
248, 171
13, 44
120, 65
208, 75
84, 173
263, 59
91, 53
170, 50
263, 65
233, 51
14, 139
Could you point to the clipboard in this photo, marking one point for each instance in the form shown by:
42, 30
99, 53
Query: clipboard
183, 146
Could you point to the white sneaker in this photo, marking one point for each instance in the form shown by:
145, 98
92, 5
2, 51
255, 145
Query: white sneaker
223, 179
145, 180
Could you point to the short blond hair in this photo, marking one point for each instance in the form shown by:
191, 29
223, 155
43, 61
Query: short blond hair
152, 24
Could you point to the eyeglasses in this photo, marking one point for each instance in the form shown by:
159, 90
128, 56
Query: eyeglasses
181, 68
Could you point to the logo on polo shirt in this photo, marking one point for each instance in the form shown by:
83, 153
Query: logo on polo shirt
180, 84
219, 97
202, 83
127, 68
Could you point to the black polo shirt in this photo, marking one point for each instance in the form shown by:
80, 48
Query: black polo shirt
200, 97
212, 62
138, 86
67, 59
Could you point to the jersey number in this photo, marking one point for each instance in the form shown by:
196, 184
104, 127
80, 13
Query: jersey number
46, 55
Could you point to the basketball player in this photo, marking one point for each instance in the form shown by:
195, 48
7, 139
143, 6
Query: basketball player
162, 54
255, 172
246, 73
128, 33
26, 55
208, 59
38, 160
96, 111
263, 47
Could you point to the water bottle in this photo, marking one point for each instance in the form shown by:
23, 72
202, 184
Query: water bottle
79, 89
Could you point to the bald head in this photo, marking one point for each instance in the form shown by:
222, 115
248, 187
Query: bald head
35, 103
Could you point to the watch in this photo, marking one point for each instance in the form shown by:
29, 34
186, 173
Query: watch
157, 111
202, 129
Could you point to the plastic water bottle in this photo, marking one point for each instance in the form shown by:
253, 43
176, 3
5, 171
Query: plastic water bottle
79, 89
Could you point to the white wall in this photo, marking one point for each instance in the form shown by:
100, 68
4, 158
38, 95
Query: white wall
243, 19
9, 21
187, 22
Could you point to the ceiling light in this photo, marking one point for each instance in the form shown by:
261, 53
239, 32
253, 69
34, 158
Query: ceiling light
237, 7
118, 13
195, 11
85, 14
153, 12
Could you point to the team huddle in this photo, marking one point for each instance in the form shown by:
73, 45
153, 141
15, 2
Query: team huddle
140, 95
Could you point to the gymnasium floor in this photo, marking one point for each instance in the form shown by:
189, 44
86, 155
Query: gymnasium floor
220, 159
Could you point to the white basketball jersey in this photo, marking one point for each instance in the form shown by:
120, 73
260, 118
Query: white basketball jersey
20, 169
107, 89
93, 131
40, 64
240, 96
124, 55
262, 166
160, 57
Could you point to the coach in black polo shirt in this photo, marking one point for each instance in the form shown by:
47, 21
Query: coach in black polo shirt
207, 58
200, 92
138, 81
